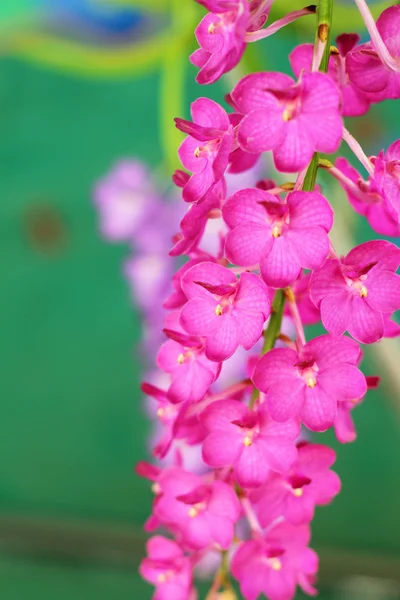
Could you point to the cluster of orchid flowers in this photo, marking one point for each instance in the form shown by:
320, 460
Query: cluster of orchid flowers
237, 313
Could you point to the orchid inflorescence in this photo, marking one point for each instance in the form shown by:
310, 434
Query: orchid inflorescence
250, 499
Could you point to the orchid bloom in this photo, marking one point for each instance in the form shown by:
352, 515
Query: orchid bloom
276, 564
293, 119
251, 443
282, 237
205, 151
355, 292
354, 102
309, 483
311, 382
202, 513
375, 67
226, 311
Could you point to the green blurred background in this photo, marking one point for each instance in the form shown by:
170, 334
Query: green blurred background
75, 96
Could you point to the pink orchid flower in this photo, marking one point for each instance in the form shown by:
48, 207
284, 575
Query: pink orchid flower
191, 372
293, 119
366, 199
311, 382
224, 33
205, 152
356, 292
387, 177
248, 441
345, 430
125, 200
178, 425
282, 237
149, 277
276, 564
203, 513
309, 483
167, 413
374, 67
226, 311
391, 328
239, 160
194, 222
151, 473
220, 35
177, 298
167, 568
355, 102
344, 425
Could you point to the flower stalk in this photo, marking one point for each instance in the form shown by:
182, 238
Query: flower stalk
274, 327
376, 37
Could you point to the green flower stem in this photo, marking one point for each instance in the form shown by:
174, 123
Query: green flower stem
323, 33
222, 580
311, 175
272, 332
275, 322
324, 28
347, 17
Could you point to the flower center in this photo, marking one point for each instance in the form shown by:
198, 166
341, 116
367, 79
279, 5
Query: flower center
166, 412
166, 576
308, 370
287, 114
227, 21
196, 509
275, 564
208, 150
247, 441
358, 286
276, 231
156, 488
184, 356
290, 111
219, 310
311, 381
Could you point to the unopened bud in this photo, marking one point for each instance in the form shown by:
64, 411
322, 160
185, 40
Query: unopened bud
324, 163
288, 186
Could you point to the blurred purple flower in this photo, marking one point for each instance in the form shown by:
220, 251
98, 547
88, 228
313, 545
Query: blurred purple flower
125, 199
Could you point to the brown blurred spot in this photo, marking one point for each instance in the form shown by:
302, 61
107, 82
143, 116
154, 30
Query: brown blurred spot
45, 228
368, 127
